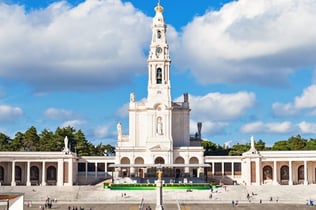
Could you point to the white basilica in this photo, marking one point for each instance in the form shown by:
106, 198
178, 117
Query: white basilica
158, 127
158, 137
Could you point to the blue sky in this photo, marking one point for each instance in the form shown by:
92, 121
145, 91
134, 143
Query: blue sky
248, 66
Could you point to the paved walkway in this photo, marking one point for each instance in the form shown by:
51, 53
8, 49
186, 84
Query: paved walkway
95, 195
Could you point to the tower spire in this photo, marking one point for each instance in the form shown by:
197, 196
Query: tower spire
159, 8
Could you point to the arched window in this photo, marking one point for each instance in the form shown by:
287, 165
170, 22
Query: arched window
159, 160
300, 172
1, 174
158, 76
267, 173
158, 34
139, 160
284, 173
51, 173
18, 173
34, 173
125, 160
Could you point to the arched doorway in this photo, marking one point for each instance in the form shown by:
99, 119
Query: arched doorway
1, 175
284, 172
267, 173
179, 171
34, 176
159, 160
140, 170
18, 175
51, 175
300, 174
125, 170
194, 171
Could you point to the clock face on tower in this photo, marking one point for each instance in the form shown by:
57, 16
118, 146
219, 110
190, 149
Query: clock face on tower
158, 50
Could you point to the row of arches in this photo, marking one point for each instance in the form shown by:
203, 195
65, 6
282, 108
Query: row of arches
35, 175
159, 160
148, 172
284, 173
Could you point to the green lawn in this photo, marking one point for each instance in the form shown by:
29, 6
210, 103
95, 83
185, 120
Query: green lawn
175, 186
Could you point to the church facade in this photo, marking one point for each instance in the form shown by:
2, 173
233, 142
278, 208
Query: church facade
158, 127
158, 138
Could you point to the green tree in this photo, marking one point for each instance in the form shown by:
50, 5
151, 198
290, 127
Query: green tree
17, 142
238, 149
47, 140
31, 140
260, 145
4, 142
280, 146
60, 135
296, 143
311, 144
208, 146
82, 145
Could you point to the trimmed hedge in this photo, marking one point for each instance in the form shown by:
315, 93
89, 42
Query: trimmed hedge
171, 186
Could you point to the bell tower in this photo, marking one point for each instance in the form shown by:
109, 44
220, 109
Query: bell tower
159, 62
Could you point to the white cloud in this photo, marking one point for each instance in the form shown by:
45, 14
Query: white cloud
285, 127
58, 114
258, 42
66, 47
284, 110
102, 131
73, 123
307, 128
208, 128
302, 103
10, 113
221, 107
123, 111
307, 99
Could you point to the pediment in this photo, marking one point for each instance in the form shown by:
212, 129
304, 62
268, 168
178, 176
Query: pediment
156, 148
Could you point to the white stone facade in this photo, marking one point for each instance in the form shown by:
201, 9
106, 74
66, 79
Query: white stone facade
158, 137
158, 127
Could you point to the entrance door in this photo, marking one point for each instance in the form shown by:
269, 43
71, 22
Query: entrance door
178, 172
194, 172
141, 173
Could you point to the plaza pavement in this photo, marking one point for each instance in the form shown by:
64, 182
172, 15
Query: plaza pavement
96, 195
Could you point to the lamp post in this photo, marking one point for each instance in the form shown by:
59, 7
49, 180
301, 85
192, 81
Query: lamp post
159, 205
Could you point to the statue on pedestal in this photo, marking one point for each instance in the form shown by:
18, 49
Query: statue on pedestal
159, 173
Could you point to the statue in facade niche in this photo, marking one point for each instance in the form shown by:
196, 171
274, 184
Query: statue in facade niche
159, 126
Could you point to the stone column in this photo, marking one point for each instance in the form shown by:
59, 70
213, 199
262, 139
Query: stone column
132, 172
95, 169
290, 173
258, 172
305, 173
223, 171
70, 172
213, 168
187, 171
43, 173
28, 168
60, 173
233, 170
86, 172
275, 175
13, 174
